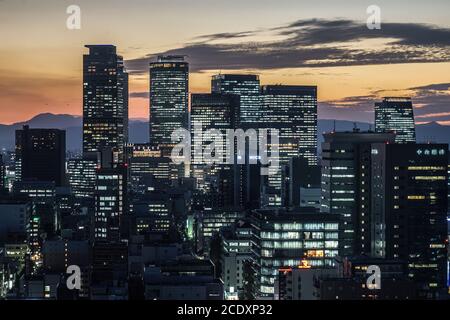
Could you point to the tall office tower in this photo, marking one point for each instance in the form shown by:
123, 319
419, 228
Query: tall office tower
304, 237
246, 86
396, 115
214, 112
293, 111
105, 99
82, 178
110, 203
410, 210
169, 98
41, 155
3, 184
346, 185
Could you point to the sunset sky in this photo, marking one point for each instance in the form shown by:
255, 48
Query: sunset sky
321, 42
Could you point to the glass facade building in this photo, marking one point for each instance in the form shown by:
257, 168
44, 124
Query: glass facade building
247, 87
110, 203
82, 179
293, 111
105, 99
169, 98
346, 185
211, 112
396, 115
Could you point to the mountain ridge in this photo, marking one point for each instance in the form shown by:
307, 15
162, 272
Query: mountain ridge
138, 129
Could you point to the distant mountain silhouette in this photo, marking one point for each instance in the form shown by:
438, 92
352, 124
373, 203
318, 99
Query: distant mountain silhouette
49, 120
138, 128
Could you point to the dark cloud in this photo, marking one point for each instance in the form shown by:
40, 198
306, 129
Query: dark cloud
143, 95
433, 87
432, 102
226, 35
316, 31
312, 43
204, 57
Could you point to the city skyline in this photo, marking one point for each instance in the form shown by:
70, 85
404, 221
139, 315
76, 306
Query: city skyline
292, 32
234, 187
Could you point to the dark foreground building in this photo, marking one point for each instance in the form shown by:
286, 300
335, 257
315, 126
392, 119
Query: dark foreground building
41, 155
410, 210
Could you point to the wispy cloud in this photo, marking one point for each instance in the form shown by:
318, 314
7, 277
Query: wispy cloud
311, 43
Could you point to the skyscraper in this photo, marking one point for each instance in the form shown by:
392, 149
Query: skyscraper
110, 203
3, 185
246, 86
41, 155
293, 111
214, 112
396, 115
346, 185
105, 99
410, 210
169, 96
